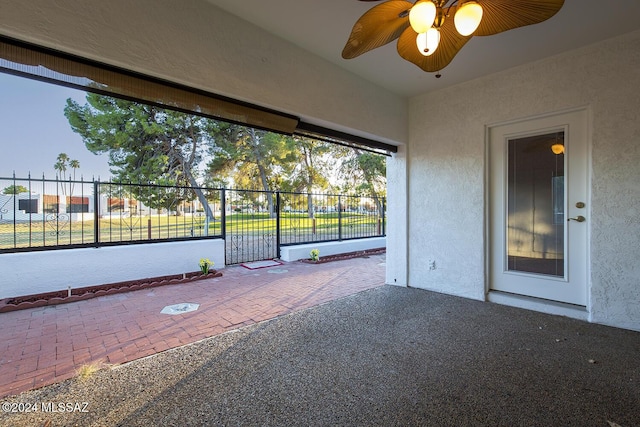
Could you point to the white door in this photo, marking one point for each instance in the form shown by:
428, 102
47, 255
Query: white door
539, 208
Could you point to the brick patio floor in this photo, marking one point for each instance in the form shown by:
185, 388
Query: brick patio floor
45, 345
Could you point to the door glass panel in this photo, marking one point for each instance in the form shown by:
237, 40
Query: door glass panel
536, 201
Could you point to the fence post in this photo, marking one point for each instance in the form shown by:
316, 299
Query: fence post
278, 240
15, 196
30, 214
223, 214
96, 212
384, 208
339, 217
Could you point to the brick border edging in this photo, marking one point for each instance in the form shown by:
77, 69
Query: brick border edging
80, 294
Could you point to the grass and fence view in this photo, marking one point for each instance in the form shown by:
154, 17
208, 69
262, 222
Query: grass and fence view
38, 214
173, 168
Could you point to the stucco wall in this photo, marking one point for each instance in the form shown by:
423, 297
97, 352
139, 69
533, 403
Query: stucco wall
447, 170
29, 273
397, 222
296, 252
197, 44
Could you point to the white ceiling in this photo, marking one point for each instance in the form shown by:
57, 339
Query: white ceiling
323, 26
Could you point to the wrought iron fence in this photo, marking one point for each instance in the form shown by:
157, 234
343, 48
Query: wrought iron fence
40, 213
251, 225
48, 214
308, 217
258, 223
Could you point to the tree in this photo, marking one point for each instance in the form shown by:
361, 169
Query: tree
146, 144
15, 189
62, 161
75, 165
251, 155
61, 165
366, 172
311, 169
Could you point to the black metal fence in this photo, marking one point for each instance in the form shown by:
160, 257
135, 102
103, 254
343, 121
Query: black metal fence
39, 214
258, 223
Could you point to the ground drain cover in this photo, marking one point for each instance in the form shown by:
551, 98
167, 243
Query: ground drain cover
181, 308
277, 271
261, 264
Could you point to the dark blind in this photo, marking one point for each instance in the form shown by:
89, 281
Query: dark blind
32, 61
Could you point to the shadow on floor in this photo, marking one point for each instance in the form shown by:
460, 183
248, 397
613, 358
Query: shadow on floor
386, 356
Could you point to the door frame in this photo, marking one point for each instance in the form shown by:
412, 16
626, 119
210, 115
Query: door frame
523, 301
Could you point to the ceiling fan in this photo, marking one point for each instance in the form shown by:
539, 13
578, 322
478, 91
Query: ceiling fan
430, 33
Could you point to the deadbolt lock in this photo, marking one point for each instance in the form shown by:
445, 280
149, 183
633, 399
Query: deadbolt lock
580, 205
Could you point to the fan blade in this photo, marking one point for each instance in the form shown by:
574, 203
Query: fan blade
378, 26
503, 15
450, 44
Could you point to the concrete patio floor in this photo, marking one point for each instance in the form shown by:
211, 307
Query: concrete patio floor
315, 345
387, 356
46, 345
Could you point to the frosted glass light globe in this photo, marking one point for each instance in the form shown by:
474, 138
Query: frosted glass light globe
467, 18
422, 15
428, 42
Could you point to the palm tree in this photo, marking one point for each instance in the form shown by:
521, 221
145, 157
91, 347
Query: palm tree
62, 161
74, 164
61, 164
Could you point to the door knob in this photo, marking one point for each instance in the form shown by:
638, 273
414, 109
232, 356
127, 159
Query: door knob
579, 218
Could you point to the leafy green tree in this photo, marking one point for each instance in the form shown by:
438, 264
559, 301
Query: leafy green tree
311, 169
145, 143
15, 189
366, 172
251, 156
149, 144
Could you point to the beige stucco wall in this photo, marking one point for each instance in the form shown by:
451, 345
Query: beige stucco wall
447, 192
197, 44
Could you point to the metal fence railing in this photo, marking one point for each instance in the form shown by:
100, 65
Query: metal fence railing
39, 213
251, 226
258, 223
308, 217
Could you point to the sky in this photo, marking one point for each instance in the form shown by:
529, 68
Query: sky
34, 130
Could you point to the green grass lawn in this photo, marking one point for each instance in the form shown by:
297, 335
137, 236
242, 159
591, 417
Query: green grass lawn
294, 227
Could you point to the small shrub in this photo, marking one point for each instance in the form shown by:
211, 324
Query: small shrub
315, 254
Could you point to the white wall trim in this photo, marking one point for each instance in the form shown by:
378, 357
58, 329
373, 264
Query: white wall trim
296, 252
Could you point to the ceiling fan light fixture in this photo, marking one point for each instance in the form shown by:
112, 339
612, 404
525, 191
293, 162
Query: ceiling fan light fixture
457, 21
422, 15
467, 18
428, 42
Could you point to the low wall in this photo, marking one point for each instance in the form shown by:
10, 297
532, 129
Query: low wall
29, 273
296, 252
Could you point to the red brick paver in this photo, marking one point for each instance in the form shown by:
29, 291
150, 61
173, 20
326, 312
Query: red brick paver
45, 345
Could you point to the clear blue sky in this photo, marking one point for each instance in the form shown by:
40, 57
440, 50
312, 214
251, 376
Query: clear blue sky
34, 130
